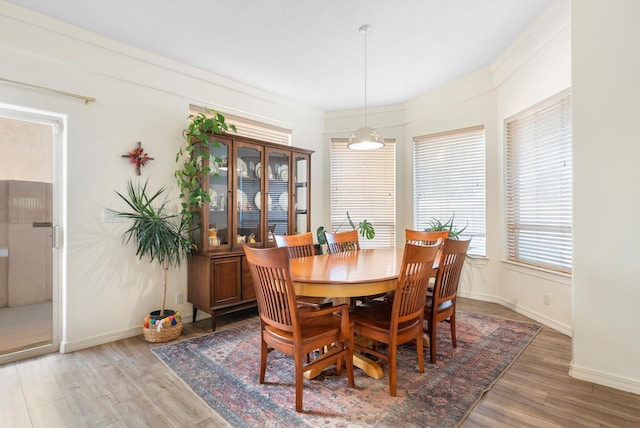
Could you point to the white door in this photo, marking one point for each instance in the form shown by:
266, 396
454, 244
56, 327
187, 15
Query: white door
29, 149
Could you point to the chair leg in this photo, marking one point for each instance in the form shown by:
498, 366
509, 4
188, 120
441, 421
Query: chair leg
263, 360
349, 362
432, 341
392, 369
339, 363
420, 351
452, 321
299, 381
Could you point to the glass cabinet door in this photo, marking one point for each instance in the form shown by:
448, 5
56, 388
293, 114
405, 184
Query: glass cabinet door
249, 198
278, 193
217, 236
301, 197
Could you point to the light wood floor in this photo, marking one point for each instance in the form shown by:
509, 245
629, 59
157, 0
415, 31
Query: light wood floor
122, 384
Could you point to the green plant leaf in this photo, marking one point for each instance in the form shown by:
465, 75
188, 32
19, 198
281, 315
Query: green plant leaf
158, 235
202, 127
436, 225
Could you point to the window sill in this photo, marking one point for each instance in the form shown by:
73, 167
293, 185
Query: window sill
547, 274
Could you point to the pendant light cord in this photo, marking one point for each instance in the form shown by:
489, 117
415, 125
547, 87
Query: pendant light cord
364, 29
365, 77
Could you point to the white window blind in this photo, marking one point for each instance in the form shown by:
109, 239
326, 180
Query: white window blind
364, 184
252, 128
449, 181
539, 181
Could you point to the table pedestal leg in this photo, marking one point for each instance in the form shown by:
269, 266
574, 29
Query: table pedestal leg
425, 340
370, 367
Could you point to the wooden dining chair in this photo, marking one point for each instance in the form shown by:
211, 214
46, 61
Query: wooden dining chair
292, 330
301, 245
422, 237
339, 242
401, 321
441, 304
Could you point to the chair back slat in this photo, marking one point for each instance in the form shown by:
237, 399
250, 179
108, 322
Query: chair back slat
454, 253
420, 237
274, 289
297, 245
342, 241
411, 291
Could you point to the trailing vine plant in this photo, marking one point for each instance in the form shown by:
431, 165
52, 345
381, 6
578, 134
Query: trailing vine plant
196, 162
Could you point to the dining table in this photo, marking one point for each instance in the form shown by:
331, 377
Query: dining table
341, 276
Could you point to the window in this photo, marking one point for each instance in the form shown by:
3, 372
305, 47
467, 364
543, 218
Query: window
364, 184
252, 128
449, 181
539, 180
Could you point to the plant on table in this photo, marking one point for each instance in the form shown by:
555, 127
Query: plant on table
364, 228
436, 225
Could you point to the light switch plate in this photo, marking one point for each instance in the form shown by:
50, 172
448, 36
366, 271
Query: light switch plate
109, 216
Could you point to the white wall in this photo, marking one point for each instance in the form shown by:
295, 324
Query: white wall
143, 97
535, 67
139, 97
606, 109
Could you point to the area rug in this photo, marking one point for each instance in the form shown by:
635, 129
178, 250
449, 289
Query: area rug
222, 368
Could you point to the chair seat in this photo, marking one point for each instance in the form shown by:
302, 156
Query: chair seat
442, 307
311, 329
377, 315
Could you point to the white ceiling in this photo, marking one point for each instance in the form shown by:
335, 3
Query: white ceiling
311, 50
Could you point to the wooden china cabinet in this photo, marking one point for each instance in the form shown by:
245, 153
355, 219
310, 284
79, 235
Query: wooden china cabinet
257, 189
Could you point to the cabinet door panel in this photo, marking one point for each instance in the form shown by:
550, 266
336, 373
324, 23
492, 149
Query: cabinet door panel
226, 281
278, 192
249, 189
300, 201
248, 291
219, 186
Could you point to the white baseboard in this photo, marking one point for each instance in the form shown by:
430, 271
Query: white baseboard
560, 327
606, 379
66, 347
477, 296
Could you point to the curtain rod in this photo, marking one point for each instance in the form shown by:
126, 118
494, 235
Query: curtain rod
87, 100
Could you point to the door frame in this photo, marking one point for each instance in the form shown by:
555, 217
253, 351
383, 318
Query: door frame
59, 137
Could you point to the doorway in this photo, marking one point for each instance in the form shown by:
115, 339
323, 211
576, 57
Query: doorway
29, 288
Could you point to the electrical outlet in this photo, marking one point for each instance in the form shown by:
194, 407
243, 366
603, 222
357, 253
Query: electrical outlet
179, 298
547, 299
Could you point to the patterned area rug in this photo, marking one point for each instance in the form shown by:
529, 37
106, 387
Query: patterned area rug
223, 368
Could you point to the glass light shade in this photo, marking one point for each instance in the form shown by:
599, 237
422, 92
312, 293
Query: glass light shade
365, 139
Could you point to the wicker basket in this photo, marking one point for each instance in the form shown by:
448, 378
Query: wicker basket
167, 333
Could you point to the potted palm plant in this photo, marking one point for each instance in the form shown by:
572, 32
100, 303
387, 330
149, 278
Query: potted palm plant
163, 238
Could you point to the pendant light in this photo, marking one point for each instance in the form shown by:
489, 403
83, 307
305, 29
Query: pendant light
365, 138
